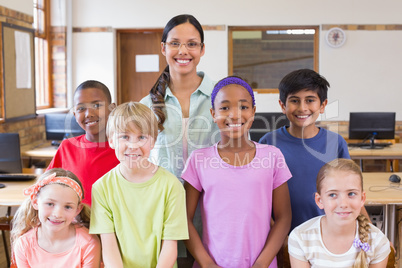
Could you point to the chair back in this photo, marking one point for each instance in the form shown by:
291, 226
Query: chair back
10, 154
266, 122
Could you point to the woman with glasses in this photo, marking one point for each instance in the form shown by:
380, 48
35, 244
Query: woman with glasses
181, 99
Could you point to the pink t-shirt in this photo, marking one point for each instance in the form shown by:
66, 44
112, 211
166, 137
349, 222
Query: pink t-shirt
236, 202
85, 253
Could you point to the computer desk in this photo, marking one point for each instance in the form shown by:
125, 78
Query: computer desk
392, 153
44, 152
13, 194
381, 192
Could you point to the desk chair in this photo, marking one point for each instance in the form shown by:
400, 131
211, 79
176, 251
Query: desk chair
391, 259
266, 122
5, 225
10, 162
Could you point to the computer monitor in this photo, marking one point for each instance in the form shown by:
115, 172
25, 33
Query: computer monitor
60, 126
10, 156
370, 126
266, 122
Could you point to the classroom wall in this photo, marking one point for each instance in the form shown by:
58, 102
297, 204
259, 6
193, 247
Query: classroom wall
24, 6
364, 73
31, 131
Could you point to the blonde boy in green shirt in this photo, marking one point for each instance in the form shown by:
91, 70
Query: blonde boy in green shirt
138, 208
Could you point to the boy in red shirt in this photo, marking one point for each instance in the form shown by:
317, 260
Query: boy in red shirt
88, 156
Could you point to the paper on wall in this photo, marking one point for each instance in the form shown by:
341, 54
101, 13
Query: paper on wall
23, 60
147, 63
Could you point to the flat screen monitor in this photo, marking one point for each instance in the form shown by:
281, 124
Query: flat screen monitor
371, 126
60, 126
10, 156
266, 122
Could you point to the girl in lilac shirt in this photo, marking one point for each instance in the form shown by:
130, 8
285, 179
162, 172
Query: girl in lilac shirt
240, 184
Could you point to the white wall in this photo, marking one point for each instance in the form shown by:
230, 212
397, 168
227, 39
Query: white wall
364, 74
24, 6
94, 61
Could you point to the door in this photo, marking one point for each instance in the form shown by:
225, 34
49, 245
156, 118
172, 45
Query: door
133, 84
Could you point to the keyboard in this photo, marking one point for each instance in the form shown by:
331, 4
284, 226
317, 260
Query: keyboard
379, 144
17, 177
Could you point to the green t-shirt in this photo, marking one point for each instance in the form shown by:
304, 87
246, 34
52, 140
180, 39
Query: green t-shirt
140, 214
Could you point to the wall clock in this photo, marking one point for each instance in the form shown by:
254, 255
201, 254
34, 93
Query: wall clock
335, 37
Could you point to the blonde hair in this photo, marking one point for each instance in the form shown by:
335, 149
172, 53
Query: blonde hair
347, 165
26, 216
132, 112
364, 230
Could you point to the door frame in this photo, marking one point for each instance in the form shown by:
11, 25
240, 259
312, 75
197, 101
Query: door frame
118, 54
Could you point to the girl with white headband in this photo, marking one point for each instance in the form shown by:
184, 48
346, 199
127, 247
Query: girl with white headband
342, 237
50, 227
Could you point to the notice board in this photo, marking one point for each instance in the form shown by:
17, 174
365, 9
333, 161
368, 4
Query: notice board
18, 87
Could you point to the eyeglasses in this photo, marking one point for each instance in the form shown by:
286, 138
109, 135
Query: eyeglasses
189, 45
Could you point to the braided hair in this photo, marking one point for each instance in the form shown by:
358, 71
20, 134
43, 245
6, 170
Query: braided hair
364, 230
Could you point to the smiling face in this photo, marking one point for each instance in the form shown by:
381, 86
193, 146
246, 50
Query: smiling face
132, 147
57, 207
91, 111
183, 61
341, 196
233, 112
302, 109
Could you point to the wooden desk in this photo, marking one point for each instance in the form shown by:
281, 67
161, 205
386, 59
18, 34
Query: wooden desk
380, 191
12, 195
46, 152
393, 153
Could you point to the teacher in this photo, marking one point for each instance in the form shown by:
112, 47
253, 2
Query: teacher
181, 97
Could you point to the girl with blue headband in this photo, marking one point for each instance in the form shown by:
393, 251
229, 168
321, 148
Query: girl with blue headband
240, 184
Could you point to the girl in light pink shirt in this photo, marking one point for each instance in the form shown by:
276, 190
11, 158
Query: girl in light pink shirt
50, 228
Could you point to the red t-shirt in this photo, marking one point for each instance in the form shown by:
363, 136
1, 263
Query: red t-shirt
87, 160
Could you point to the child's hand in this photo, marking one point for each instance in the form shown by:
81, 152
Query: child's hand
258, 265
212, 265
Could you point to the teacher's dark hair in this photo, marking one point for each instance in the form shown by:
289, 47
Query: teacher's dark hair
158, 91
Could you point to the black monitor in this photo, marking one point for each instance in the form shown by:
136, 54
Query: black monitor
266, 122
370, 126
60, 126
10, 156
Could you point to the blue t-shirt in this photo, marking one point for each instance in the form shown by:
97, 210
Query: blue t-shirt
304, 158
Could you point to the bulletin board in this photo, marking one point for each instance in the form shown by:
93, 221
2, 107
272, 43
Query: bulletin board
18, 72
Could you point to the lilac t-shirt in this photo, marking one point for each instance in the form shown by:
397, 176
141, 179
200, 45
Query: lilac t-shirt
236, 202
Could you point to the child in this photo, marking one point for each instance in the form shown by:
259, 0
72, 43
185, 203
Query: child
342, 237
306, 147
240, 184
138, 208
88, 156
50, 228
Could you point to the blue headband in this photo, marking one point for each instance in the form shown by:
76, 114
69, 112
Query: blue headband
230, 80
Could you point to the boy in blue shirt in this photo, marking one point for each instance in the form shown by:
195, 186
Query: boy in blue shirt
306, 147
